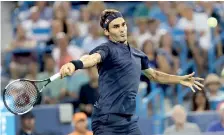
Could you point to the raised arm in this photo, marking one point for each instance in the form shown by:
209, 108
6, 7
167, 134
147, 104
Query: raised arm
90, 60
97, 55
85, 61
186, 80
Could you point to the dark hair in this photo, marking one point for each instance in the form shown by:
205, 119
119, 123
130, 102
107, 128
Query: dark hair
104, 16
194, 105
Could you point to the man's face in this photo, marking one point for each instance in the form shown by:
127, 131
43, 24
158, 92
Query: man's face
35, 16
81, 126
28, 123
118, 30
179, 116
213, 86
50, 64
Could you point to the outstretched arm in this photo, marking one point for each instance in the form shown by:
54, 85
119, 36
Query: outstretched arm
85, 61
186, 80
90, 60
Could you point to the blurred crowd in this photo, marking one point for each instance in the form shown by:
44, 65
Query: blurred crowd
172, 34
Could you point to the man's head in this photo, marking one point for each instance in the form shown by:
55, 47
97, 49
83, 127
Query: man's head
153, 25
34, 13
212, 82
80, 122
28, 121
172, 18
179, 115
142, 23
114, 25
94, 29
49, 63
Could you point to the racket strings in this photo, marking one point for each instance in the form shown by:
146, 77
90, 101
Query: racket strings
22, 96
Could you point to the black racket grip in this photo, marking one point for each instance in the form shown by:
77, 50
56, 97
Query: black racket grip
39, 99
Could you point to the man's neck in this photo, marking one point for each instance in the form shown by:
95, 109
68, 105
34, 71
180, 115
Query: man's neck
111, 39
179, 127
81, 132
28, 131
201, 108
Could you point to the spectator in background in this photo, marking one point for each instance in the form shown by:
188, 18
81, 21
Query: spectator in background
21, 41
219, 45
80, 122
35, 22
61, 17
181, 126
84, 21
94, 38
27, 125
200, 102
89, 92
155, 32
186, 21
194, 51
132, 41
96, 7
33, 69
141, 34
143, 9
172, 21
19, 63
161, 14
167, 62
64, 52
77, 38
56, 28
213, 84
46, 11
53, 91
218, 126
149, 49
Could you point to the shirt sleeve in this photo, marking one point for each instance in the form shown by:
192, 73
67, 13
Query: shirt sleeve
103, 50
145, 62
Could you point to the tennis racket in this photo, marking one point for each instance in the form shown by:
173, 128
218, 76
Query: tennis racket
21, 95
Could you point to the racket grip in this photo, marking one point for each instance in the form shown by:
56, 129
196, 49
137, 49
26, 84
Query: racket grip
54, 77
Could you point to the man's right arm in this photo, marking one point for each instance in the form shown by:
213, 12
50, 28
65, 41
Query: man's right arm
85, 61
90, 60
96, 56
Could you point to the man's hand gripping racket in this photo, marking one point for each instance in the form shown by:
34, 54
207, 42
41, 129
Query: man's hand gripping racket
21, 95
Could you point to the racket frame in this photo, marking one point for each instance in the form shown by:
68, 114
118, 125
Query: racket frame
48, 80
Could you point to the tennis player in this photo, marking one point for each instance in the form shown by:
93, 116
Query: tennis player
120, 67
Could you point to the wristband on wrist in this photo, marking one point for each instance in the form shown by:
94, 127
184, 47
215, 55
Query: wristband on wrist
77, 63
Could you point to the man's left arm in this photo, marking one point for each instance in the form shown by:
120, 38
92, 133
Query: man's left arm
164, 78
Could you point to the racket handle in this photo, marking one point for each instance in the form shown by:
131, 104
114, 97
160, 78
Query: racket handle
54, 77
